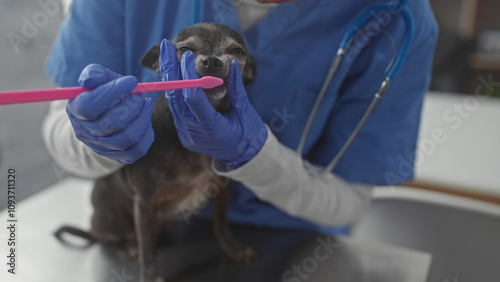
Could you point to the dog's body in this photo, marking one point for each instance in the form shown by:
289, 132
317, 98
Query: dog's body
132, 205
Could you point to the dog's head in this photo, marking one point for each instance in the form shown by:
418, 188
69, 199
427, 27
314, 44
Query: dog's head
214, 46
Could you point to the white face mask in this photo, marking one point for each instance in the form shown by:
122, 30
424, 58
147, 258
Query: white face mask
250, 12
252, 3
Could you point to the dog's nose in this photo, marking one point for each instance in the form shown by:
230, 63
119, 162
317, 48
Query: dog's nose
212, 63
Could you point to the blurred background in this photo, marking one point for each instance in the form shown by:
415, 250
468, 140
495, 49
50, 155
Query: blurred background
21, 67
468, 48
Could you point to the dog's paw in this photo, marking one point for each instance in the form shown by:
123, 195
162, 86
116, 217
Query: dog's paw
129, 252
243, 254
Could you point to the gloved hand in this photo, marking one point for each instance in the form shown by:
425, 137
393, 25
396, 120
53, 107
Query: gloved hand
108, 119
233, 138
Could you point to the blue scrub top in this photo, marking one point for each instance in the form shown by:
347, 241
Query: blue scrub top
293, 46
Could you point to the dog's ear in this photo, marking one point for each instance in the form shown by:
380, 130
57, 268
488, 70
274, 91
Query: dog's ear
150, 59
250, 71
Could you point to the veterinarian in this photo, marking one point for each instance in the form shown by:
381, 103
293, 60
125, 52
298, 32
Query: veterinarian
255, 144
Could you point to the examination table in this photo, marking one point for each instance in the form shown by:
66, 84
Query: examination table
191, 252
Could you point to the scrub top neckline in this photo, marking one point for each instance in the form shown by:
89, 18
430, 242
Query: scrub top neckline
280, 18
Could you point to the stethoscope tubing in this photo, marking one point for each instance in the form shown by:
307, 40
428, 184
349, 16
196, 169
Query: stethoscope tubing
393, 69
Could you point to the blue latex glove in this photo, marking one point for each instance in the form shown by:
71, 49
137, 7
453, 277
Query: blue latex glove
233, 138
108, 119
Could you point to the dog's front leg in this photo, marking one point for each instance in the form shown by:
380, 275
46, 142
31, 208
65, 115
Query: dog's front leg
236, 250
146, 231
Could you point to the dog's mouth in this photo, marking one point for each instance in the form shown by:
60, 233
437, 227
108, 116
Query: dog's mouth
217, 92
217, 97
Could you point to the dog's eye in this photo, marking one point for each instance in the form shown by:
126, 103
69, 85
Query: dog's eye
237, 51
184, 49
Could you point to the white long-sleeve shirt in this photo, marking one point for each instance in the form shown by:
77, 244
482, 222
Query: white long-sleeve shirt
279, 176
67, 151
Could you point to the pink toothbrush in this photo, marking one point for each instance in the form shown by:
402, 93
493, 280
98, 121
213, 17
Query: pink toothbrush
30, 96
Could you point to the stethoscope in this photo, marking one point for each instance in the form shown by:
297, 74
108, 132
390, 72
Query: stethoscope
348, 38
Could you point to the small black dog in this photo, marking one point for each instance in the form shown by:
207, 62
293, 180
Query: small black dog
133, 205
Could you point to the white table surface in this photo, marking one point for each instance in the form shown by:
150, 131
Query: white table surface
40, 256
469, 157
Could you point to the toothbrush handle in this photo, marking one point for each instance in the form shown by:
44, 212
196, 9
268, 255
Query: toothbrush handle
43, 95
30, 96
